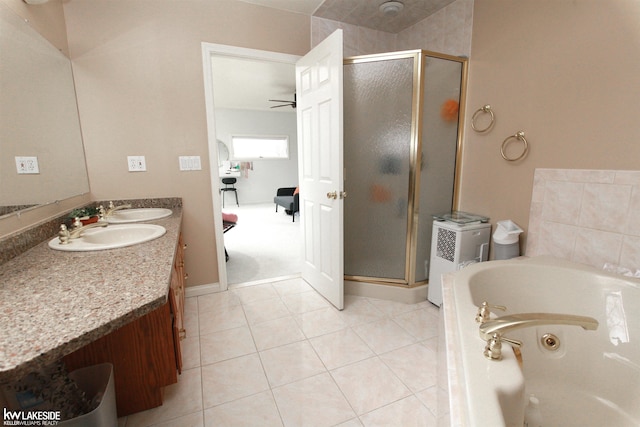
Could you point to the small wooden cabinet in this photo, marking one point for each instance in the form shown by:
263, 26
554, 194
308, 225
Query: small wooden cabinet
145, 353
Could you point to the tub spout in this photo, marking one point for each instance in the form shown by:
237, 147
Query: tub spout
504, 324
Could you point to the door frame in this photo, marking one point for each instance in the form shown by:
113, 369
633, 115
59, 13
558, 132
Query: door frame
209, 50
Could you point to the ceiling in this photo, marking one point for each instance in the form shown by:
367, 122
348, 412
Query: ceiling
364, 13
249, 84
242, 83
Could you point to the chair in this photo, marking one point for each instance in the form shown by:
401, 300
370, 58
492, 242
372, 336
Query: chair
229, 185
228, 222
288, 198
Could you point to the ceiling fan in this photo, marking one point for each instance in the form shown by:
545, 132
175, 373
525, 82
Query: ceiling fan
291, 104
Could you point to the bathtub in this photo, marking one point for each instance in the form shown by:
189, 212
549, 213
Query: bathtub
591, 379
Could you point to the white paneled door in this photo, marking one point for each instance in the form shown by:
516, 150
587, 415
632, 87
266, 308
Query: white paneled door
320, 139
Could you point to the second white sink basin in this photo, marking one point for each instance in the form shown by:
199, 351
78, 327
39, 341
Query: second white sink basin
110, 237
138, 215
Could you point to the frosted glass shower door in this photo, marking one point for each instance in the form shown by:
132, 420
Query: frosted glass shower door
442, 87
378, 134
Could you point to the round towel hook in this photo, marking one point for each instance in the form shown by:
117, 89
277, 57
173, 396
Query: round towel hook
486, 109
518, 136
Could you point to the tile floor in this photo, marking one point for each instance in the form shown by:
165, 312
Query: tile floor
278, 354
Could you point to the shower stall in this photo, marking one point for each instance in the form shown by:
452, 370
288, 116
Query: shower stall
403, 115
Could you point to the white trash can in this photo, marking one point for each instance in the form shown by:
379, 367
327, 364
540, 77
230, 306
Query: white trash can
506, 240
97, 383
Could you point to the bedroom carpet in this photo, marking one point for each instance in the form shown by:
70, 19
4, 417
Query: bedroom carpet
264, 244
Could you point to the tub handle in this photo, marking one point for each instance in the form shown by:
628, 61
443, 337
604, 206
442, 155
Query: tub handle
484, 311
493, 349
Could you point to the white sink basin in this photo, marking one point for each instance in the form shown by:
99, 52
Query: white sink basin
110, 237
137, 215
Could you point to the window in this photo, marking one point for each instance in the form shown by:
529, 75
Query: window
260, 147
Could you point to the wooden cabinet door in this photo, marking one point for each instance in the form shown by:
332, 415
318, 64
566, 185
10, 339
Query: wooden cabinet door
142, 366
176, 299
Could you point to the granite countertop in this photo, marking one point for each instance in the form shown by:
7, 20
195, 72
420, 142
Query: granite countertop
53, 302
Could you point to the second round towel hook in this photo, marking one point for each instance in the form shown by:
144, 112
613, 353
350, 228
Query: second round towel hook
481, 111
518, 136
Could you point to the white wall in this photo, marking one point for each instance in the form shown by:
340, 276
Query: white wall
261, 183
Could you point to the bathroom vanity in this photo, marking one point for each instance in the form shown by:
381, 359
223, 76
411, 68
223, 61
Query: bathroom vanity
123, 306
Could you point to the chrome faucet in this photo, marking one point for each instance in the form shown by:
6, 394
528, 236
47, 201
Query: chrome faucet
112, 208
492, 331
65, 235
525, 320
77, 232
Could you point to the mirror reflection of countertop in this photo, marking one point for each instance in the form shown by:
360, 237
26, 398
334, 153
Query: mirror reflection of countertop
53, 303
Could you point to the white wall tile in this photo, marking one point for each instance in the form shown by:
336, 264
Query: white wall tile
605, 207
587, 216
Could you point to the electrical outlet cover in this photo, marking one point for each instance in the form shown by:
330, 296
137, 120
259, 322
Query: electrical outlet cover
27, 165
136, 163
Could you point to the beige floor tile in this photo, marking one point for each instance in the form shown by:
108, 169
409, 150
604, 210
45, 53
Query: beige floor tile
304, 302
381, 356
415, 365
358, 310
314, 401
191, 420
263, 310
435, 399
182, 398
221, 318
274, 333
254, 293
217, 300
191, 316
291, 363
319, 322
383, 335
190, 347
291, 286
392, 308
226, 344
232, 379
408, 412
255, 410
354, 422
369, 385
341, 348
421, 324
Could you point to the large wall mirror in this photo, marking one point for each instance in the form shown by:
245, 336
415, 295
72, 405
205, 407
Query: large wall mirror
38, 118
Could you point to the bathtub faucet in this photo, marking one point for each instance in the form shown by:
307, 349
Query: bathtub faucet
504, 324
492, 331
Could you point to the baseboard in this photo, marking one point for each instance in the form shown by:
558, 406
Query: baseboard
372, 290
263, 281
196, 291
392, 293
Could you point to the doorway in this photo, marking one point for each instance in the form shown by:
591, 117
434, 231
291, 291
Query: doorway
256, 230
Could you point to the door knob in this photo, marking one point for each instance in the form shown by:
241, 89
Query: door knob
332, 195
343, 194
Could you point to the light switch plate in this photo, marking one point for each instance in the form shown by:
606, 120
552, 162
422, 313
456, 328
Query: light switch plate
136, 164
27, 165
190, 163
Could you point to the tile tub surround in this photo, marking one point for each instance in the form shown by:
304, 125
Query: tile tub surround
586, 216
53, 303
